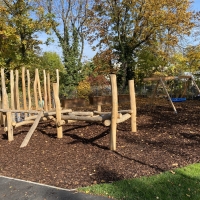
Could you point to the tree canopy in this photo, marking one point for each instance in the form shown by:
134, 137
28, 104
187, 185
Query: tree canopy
126, 26
141, 34
21, 20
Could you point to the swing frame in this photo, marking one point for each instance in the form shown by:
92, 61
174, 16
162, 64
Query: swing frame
161, 80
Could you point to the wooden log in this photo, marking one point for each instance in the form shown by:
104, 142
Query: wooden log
39, 86
107, 122
50, 117
46, 114
29, 90
57, 78
5, 104
19, 111
71, 121
119, 115
133, 105
15, 125
30, 117
168, 95
113, 129
12, 101
120, 112
31, 131
9, 126
109, 115
49, 91
12, 92
44, 118
125, 117
158, 78
24, 88
1, 114
81, 113
99, 107
82, 118
54, 112
86, 118
45, 91
8, 117
58, 110
35, 90
101, 113
125, 111
17, 106
61, 123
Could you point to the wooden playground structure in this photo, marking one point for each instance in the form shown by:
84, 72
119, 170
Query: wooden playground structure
161, 80
36, 109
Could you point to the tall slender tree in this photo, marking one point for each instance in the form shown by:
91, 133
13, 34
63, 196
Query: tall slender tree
67, 19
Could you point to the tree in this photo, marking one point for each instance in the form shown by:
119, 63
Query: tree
17, 16
50, 61
8, 39
192, 54
67, 19
126, 26
148, 62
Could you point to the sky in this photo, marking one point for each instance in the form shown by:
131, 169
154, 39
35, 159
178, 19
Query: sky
88, 52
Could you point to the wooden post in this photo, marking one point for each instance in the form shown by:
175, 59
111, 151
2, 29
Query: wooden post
24, 88
37, 85
17, 103
45, 91
57, 76
29, 90
49, 91
32, 129
1, 114
9, 126
12, 100
58, 110
5, 104
35, 90
99, 107
8, 117
133, 105
113, 129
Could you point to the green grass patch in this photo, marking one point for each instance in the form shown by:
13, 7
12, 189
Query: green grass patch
179, 184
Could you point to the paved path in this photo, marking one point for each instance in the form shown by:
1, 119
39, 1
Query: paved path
14, 189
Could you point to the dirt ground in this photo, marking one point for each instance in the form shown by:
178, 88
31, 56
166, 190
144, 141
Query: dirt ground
164, 141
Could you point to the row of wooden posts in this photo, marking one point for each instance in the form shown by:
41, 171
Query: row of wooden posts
42, 107
11, 107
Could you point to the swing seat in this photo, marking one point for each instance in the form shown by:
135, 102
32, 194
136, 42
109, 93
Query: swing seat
178, 99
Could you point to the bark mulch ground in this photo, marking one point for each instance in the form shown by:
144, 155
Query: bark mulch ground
82, 157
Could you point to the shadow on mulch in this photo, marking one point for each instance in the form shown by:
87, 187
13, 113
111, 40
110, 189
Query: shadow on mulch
163, 141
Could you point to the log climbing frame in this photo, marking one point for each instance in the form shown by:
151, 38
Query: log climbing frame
36, 109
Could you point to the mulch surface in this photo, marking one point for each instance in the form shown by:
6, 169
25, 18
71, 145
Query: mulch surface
164, 141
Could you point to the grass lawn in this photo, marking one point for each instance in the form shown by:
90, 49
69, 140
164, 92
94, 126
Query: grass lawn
179, 184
